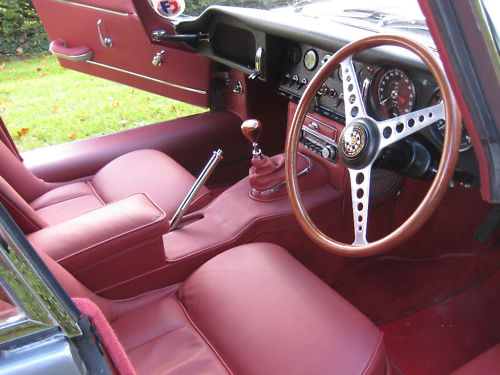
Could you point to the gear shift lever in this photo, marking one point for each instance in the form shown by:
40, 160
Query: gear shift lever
267, 174
252, 130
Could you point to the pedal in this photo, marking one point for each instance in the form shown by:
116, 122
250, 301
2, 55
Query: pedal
489, 226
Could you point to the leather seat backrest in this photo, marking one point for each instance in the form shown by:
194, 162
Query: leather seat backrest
18, 187
27, 185
23, 214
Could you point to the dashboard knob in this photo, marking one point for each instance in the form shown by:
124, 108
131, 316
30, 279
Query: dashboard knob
323, 90
328, 152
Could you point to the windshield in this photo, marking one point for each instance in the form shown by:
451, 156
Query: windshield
380, 12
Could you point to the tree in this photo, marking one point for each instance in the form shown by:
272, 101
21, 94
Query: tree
21, 28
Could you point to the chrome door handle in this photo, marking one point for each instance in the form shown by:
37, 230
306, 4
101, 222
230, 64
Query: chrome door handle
81, 53
105, 41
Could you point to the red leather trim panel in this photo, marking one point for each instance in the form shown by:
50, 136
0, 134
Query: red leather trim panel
232, 215
189, 141
131, 51
101, 233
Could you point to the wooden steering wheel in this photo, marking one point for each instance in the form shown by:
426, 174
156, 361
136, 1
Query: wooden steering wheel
362, 140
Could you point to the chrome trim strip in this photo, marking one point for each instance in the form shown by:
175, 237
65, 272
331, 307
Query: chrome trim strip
202, 92
200, 181
38, 301
93, 7
82, 58
319, 135
322, 123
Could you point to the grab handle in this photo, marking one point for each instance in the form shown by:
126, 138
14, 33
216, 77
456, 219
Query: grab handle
59, 49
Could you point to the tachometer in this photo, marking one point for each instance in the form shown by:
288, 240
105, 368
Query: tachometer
394, 93
437, 129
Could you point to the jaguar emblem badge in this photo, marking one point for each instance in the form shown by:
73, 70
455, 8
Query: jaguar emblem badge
354, 141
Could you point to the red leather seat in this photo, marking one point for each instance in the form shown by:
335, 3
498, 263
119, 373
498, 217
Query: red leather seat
250, 310
35, 203
487, 363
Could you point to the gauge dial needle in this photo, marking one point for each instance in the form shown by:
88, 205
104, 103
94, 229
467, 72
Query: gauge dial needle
401, 99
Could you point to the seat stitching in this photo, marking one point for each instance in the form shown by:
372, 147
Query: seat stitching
95, 191
224, 364
163, 333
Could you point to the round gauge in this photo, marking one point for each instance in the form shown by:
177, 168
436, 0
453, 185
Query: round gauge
294, 54
311, 59
395, 93
437, 129
325, 59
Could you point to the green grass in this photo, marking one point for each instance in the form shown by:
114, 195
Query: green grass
44, 104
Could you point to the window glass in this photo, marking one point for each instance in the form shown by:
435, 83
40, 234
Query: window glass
10, 312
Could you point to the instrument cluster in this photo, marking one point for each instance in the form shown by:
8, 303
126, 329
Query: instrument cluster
388, 91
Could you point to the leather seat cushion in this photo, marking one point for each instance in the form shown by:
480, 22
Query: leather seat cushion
487, 363
159, 339
66, 202
144, 171
152, 172
252, 310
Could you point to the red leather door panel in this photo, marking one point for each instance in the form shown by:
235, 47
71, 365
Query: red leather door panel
183, 75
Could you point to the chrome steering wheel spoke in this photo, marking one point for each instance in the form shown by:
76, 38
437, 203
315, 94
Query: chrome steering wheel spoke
360, 195
353, 98
397, 128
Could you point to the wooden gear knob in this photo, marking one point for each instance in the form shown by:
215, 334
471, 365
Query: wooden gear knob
252, 130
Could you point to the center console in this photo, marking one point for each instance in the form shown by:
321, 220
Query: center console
128, 247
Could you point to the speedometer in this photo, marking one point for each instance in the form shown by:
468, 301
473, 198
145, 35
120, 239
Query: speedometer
394, 93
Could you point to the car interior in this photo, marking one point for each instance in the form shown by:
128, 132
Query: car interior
335, 210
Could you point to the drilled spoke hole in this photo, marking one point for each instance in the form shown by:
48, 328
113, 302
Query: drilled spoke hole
360, 228
431, 114
411, 123
421, 118
348, 78
387, 132
360, 218
360, 193
360, 206
354, 111
352, 99
400, 127
350, 87
360, 177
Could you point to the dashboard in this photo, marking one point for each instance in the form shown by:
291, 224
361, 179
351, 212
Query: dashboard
277, 51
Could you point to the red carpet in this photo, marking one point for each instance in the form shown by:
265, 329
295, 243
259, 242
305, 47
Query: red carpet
441, 338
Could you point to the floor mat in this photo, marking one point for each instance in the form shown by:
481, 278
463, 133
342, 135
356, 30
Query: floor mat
441, 338
389, 288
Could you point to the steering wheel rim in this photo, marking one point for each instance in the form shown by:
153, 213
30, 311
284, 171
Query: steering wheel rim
355, 111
